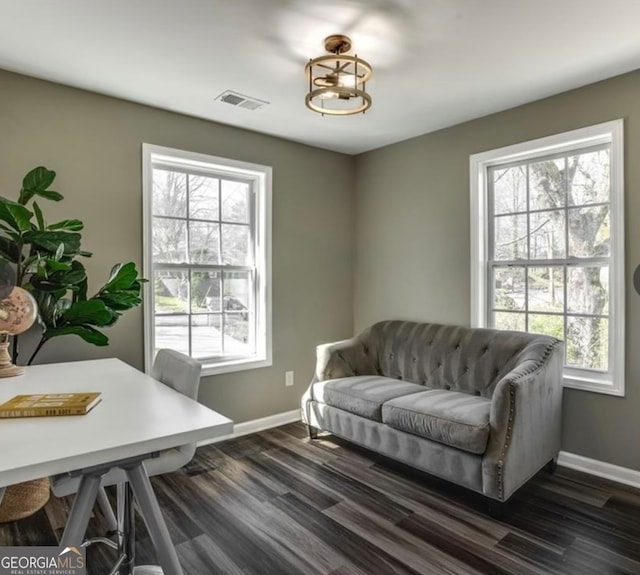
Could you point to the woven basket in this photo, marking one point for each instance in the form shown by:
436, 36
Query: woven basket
24, 499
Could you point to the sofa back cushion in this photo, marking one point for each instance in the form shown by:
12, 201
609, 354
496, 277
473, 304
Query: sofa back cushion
468, 360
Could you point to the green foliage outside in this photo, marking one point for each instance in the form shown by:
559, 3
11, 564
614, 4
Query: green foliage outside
169, 304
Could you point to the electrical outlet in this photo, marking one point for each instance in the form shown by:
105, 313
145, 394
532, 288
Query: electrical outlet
288, 378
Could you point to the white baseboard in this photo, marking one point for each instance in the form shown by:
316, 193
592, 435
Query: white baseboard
600, 468
255, 425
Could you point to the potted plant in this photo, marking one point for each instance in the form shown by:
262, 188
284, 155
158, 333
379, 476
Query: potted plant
46, 258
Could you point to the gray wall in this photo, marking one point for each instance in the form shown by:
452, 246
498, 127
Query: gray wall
412, 239
94, 144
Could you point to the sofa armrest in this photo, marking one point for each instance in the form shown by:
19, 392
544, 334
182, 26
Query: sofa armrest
344, 358
525, 423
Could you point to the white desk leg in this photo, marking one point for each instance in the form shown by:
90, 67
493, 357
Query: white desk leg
126, 529
146, 498
81, 510
2, 493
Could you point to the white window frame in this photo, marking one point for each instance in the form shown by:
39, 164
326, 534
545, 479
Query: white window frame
261, 177
613, 382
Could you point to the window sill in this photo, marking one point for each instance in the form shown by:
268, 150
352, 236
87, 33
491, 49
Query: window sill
594, 386
233, 366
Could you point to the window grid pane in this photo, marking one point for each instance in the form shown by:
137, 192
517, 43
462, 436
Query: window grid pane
206, 313
533, 286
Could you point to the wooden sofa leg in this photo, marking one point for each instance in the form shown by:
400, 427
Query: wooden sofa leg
313, 432
552, 465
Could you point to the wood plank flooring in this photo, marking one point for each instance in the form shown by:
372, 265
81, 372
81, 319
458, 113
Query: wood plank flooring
274, 503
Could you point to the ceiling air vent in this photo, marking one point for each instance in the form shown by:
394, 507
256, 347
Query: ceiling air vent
240, 100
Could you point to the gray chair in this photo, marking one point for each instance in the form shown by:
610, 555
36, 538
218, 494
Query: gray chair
177, 371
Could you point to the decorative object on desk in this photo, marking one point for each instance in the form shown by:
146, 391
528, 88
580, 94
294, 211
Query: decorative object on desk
45, 256
49, 404
24, 499
18, 313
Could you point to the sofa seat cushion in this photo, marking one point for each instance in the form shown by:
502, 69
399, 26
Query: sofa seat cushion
450, 417
362, 395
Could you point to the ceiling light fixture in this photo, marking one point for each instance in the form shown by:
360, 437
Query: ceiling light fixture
337, 82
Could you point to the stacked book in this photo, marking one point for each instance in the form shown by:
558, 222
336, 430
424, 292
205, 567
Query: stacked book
48, 404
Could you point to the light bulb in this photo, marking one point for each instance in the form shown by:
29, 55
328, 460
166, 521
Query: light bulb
347, 81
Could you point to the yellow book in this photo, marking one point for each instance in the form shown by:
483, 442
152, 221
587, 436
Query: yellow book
40, 405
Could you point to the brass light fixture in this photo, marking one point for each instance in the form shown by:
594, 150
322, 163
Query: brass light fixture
337, 82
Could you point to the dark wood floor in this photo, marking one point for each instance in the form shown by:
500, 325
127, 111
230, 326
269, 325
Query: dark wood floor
275, 504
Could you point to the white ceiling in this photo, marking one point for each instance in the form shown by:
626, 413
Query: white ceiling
436, 62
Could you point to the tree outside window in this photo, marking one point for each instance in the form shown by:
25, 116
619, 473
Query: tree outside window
548, 247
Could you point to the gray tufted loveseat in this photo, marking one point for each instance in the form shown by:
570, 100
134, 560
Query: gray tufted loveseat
478, 407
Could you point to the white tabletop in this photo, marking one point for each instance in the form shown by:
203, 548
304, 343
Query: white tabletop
137, 415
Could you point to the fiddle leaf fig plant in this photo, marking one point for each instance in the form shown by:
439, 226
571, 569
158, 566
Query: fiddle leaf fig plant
45, 257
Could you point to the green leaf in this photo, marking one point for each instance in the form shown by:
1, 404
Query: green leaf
51, 195
53, 276
39, 216
46, 306
15, 215
79, 287
67, 225
114, 318
9, 250
81, 291
121, 277
50, 241
15, 236
38, 179
74, 277
91, 311
35, 182
88, 333
57, 266
47, 284
121, 301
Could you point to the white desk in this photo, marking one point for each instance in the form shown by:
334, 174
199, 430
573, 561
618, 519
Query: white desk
136, 417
